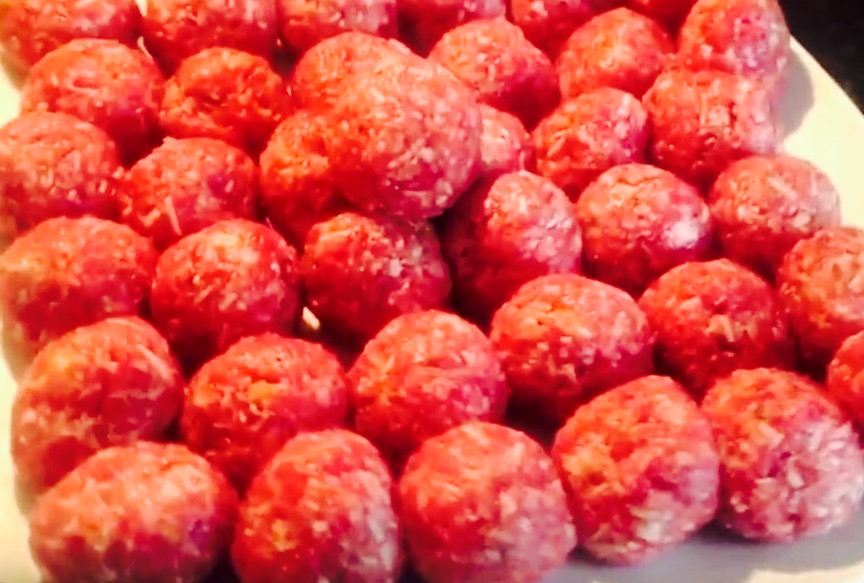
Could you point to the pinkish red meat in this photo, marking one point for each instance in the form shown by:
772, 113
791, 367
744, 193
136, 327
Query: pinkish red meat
548, 23
424, 22
845, 380
305, 23
505, 146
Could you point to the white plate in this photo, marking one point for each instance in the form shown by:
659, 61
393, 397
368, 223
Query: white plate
824, 127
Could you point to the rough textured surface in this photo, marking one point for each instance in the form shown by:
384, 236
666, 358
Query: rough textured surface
548, 23
845, 381
424, 22
505, 145
305, 23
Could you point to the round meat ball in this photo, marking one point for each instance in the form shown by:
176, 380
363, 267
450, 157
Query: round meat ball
54, 165
587, 135
565, 338
548, 23
641, 470
177, 29
242, 406
505, 145
704, 121
669, 12
116, 88
483, 503
845, 379
405, 139
233, 279
424, 22
142, 512
764, 205
321, 510
65, 273
505, 232
225, 94
620, 49
30, 29
791, 463
305, 23
109, 383
822, 289
494, 58
359, 272
638, 222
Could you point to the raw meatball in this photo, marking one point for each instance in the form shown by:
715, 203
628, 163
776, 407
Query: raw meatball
822, 289
30, 29
320, 511
359, 272
177, 29
669, 12
143, 512
620, 49
114, 87
483, 503
109, 383
791, 464
242, 406
186, 185
298, 189
505, 232
494, 58
548, 23
639, 222
54, 165
65, 273
763, 205
424, 22
587, 135
566, 338
233, 279
640, 468
421, 375
505, 146
407, 139
704, 121
305, 23
225, 94
846, 378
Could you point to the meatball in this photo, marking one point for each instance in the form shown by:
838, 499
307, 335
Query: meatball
305, 23
65, 273
109, 383
54, 165
505, 232
186, 185
704, 121
548, 23
424, 22
640, 468
791, 463
763, 205
233, 279
142, 512
116, 88
483, 503
321, 510
505, 146
587, 135
845, 380
565, 338
242, 406
359, 272
639, 222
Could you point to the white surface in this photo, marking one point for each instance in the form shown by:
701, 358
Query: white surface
825, 128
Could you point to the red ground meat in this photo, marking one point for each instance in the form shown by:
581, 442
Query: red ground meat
704, 121
407, 140
505, 232
620, 49
548, 23
587, 135
233, 279
639, 222
305, 23
242, 406
225, 94
298, 189
714, 317
54, 165
821, 284
66, 273
494, 58
566, 338
359, 272
143, 512
791, 464
763, 205
30, 29
845, 379
640, 468
320, 511
483, 503
668, 12
424, 22
113, 86
505, 146
109, 383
